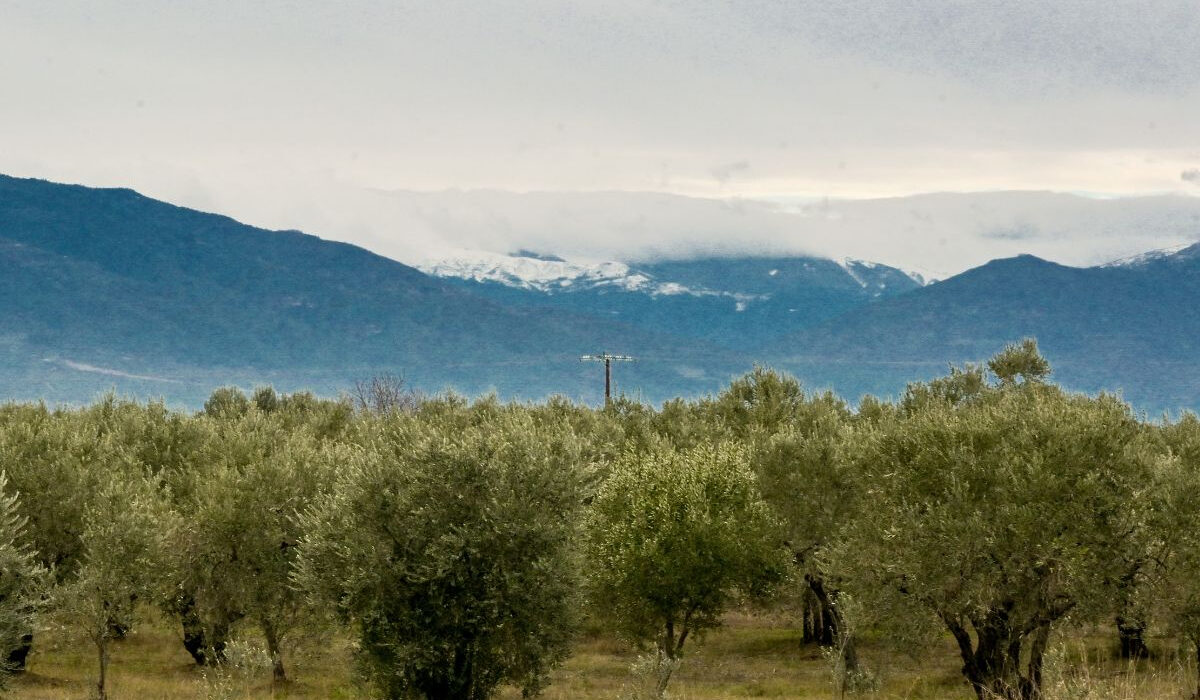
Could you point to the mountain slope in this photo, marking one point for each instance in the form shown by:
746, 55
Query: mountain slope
1134, 327
106, 288
113, 280
737, 302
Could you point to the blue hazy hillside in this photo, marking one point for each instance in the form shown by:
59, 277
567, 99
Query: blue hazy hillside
740, 303
1133, 327
105, 288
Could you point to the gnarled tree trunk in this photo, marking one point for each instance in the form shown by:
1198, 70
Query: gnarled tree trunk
17, 657
276, 653
810, 617
832, 630
1132, 636
992, 661
205, 642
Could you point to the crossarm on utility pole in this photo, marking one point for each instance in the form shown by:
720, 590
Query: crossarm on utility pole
607, 358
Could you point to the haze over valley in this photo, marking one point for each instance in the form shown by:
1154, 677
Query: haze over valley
107, 289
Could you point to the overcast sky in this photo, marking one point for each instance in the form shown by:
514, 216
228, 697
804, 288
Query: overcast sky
284, 113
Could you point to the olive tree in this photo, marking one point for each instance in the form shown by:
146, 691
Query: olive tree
756, 405
1177, 544
57, 461
54, 460
674, 538
227, 402
123, 564
446, 545
237, 556
809, 478
22, 581
799, 447
998, 514
238, 480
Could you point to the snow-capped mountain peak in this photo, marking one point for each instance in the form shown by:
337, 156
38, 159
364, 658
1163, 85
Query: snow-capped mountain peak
855, 267
528, 272
773, 292
550, 274
1148, 256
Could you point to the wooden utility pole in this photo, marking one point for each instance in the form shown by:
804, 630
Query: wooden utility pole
607, 358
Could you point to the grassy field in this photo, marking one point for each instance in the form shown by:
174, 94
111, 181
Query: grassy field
751, 657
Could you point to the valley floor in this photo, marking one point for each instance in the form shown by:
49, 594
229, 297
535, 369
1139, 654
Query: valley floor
750, 657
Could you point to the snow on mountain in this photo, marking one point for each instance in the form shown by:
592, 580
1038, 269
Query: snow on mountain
1149, 256
552, 274
535, 273
922, 277
854, 268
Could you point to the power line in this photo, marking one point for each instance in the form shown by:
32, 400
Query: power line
607, 358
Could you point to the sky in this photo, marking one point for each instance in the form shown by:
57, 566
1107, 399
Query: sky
303, 114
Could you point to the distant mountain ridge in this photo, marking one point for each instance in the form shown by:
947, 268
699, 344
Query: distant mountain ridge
730, 301
105, 288
1132, 327
551, 273
109, 279
938, 234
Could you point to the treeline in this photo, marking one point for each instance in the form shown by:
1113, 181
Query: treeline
463, 545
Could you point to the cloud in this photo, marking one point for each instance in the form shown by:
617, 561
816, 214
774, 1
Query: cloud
936, 234
304, 114
724, 173
1018, 46
521, 95
1020, 231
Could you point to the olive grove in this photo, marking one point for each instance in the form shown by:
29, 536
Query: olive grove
461, 547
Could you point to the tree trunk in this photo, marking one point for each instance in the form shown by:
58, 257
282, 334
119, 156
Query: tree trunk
195, 640
1132, 634
278, 673
1197, 645
1031, 684
850, 654
833, 628
829, 618
992, 665
988, 664
664, 666
669, 648
809, 617
664, 670
204, 642
102, 652
218, 635
16, 657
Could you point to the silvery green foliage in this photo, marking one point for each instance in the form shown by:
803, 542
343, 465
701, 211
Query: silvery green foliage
236, 557
446, 545
242, 665
237, 483
22, 579
995, 514
1176, 546
59, 460
55, 460
123, 562
800, 448
674, 538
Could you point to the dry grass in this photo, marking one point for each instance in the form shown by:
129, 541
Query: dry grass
151, 663
751, 657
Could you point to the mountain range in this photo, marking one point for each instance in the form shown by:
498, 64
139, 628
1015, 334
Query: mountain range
105, 288
737, 303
